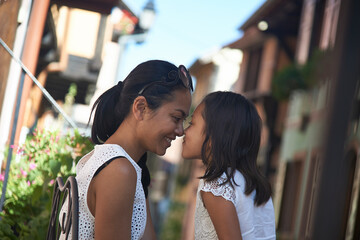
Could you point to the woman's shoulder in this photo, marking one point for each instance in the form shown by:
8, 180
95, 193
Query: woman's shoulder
118, 176
103, 150
82, 162
109, 150
119, 169
104, 154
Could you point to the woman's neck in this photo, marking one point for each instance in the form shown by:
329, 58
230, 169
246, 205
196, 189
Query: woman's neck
125, 137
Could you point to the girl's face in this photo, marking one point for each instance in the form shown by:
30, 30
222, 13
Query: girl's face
194, 135
166, 123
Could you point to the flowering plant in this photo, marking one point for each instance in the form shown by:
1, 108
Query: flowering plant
44, 156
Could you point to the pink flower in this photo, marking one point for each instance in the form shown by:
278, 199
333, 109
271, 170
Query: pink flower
28, 183
20, 150
32, 166
2, 177
52, 182
24, 173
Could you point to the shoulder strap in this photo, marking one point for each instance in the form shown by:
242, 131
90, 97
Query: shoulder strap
105, 164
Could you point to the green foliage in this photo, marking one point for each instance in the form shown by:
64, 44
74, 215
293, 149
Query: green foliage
287, 80
297, 76
171, 230
44, 156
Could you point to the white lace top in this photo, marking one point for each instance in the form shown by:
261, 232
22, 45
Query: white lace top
255, 222
85, 170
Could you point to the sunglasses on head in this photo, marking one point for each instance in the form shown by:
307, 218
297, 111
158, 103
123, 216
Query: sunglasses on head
174, 76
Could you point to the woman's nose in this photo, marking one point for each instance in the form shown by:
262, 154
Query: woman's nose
179, 130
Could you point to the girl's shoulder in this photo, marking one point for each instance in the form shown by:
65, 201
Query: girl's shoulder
218, 187
237, 180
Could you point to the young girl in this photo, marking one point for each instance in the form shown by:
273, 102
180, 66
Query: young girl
143, 113
233, 198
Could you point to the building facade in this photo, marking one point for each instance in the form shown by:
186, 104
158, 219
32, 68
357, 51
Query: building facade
291, 69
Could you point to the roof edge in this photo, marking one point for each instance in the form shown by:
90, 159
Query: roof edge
258, 14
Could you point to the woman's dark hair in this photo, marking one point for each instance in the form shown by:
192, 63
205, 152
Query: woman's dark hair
232, 141
112, 107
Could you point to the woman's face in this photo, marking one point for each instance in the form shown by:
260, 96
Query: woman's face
194, 135
166, 123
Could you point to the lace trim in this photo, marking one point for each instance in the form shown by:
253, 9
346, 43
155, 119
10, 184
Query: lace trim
225, 191
204, 228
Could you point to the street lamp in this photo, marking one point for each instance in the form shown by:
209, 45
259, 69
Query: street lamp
147, 16
145, 22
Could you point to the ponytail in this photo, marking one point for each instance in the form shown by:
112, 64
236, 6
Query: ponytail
106, 118
145, 174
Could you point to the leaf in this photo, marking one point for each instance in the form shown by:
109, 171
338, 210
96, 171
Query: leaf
36, 194
54, 167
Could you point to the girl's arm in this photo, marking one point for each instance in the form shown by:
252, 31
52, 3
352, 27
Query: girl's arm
114, 189
149, 230
223, 215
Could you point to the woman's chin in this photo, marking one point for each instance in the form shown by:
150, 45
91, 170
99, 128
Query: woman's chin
162, 151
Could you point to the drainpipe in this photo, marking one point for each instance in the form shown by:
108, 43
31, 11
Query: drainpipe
30, 55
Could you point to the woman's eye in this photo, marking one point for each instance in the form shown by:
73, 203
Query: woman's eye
176, 119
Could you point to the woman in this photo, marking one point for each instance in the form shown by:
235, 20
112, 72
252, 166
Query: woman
143, 113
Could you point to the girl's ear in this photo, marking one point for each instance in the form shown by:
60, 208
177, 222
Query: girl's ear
138, 107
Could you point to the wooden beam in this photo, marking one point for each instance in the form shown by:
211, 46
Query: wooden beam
8, 19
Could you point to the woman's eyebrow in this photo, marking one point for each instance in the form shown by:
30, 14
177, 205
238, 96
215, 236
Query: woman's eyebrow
182, 113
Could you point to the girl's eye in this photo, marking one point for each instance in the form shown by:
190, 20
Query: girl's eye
187, 125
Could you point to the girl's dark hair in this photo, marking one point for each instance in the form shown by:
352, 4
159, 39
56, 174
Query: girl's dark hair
114, 105
232, 140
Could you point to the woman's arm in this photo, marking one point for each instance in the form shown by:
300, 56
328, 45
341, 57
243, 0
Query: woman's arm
223, 215
149, 230
114, 189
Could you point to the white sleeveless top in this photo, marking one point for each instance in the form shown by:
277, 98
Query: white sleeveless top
85, 170
256, 222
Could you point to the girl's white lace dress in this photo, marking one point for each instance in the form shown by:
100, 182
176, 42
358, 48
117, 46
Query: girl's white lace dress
256, 222
85, 170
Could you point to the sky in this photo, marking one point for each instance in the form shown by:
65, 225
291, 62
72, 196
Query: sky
185, 30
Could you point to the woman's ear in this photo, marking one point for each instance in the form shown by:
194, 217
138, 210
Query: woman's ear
139, 106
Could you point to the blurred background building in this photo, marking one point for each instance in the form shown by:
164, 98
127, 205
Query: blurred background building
297, 60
